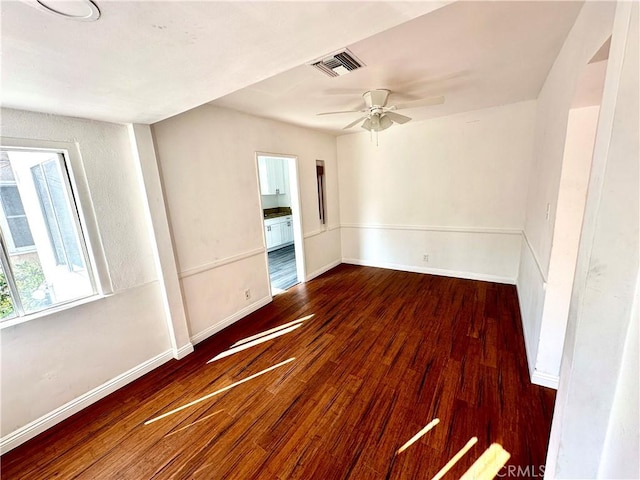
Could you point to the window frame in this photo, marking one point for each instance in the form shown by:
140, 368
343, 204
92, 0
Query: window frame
74, 179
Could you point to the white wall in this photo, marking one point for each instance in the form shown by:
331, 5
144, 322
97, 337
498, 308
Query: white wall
606, 276
270, 201
572, 195
50, 361
208, 164
620, 457
162, 245
591, 29
452, 188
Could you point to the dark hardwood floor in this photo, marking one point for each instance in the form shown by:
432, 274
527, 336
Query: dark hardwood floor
282, 268
384, 353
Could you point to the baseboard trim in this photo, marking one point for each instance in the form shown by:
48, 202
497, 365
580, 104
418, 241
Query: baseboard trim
183, 351
206, 333
22, 434
432, 271
322, 270
545, 379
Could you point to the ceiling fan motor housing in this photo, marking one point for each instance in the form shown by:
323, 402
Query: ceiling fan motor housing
376, 98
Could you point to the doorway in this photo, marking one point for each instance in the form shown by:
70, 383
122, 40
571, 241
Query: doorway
580, 139
280, 205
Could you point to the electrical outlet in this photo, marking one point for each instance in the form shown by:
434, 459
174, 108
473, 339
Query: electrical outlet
425, 258
247, 294
548, 212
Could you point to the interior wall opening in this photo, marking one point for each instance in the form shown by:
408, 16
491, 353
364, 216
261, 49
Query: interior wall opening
280, 203
574, 180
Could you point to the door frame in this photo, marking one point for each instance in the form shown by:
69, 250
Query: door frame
296, 212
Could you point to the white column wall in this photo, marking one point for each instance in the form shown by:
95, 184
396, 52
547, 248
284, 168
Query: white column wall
591, 29
606, 274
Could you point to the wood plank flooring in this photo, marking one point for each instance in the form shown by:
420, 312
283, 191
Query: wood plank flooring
282, 268
382, 355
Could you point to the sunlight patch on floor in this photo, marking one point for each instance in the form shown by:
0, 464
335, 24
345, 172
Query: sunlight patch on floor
261, 337
267, 332
486, 467
224, 389
488, 464
455, 458
192, 424
253, 343
417, 436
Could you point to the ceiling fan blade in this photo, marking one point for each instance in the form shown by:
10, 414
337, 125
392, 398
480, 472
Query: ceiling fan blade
421, 103
396, 117
354, 123
343, 111
404, 97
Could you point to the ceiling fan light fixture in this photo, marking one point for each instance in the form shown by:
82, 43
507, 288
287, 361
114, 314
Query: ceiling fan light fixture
377, 122
385, 122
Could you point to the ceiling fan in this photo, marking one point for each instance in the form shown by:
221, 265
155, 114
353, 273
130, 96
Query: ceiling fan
378, 116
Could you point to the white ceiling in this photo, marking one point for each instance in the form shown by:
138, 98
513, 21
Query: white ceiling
477, 54
144, 61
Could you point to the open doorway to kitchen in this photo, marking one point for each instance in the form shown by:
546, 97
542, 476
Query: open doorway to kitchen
280, 203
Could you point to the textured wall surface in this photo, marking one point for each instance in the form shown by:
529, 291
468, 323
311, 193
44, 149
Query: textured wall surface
49, 361
209, 169
452, 188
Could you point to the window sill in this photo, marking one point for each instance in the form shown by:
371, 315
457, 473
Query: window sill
50, 311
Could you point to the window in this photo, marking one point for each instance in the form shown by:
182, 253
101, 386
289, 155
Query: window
18, 232
43, 260
321, 192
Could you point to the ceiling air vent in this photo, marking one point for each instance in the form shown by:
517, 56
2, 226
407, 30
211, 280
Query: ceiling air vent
338, 64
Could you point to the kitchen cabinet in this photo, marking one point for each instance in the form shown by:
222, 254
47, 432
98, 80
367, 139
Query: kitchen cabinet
278, 232
273, 175
273, 234
287, 231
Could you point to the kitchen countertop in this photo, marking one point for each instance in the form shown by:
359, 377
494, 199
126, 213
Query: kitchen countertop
275, 215
276, 212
